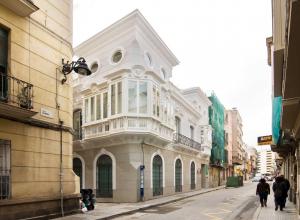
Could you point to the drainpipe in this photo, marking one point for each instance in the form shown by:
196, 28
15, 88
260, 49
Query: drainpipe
61, 171
142, 169
61, 147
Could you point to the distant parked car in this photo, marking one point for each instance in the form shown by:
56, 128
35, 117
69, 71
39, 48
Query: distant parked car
256, 179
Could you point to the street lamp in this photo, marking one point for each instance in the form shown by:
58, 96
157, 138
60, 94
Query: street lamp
78, 66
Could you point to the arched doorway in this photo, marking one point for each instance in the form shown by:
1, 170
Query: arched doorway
77, 168
157, 175
178, 176
104, 177
193, 182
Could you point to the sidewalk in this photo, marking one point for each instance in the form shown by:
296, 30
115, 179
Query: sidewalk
109, 210
266, 213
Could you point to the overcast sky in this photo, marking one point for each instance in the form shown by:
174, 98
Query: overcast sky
220, 45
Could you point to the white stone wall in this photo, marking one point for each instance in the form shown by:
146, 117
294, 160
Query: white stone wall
145, 58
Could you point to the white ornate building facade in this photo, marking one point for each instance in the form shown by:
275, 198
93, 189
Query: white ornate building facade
137, 135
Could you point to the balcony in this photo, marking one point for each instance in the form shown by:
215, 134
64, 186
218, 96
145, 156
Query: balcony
16, 97
21, 7
126, 129
236, 160
186, 144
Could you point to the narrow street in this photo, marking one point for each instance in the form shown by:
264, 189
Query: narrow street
233, 203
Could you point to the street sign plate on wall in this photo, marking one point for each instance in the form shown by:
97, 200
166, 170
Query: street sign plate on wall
264, 140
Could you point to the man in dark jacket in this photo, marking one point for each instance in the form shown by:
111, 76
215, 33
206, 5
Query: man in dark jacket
279, 192
263, 190
286, 189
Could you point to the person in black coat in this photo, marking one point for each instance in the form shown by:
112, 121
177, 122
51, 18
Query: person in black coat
263, 190
279, 192
287, 187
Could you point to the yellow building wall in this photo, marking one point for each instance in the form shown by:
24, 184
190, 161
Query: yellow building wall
37, 45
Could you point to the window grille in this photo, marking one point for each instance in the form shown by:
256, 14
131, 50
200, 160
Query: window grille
4, 169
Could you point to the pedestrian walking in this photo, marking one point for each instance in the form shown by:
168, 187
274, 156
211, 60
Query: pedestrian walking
263, 190
286, 189
279, 189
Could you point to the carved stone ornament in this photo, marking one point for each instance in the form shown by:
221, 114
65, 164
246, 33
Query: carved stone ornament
94, 88
138, 71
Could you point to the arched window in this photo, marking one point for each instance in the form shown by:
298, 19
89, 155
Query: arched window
193, 182
178, 176
77, 168
104, 177
157, 175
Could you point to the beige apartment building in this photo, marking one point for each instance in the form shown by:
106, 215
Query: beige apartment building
36, 177
234, 141
252, 161
283, 57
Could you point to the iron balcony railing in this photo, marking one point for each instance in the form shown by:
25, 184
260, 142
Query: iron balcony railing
15, 91
4, 184
181, 139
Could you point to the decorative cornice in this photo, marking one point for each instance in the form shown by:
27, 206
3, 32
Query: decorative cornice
199, 92
134, 23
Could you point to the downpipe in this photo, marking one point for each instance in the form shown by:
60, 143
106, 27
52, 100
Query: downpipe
61, 171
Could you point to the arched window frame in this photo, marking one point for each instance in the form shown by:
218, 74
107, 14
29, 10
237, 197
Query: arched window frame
182, 170
114, 176
151, 169
191, 161
83, 168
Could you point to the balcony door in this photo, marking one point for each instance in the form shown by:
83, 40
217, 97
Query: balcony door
77, 124
3, 64
177, 124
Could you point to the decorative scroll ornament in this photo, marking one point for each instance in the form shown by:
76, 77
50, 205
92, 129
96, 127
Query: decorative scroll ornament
138, 71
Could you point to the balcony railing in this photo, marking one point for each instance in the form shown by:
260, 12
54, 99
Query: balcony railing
16, 92
127, 124
237, 160
181, 139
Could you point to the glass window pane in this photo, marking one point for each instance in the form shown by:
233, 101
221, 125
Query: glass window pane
157, 104
105, 105
98, 107
154, 100
113, 99
77, 124
132, 96
86, 110
119, 97
143, 97
177, 123
93, 109
192, 132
